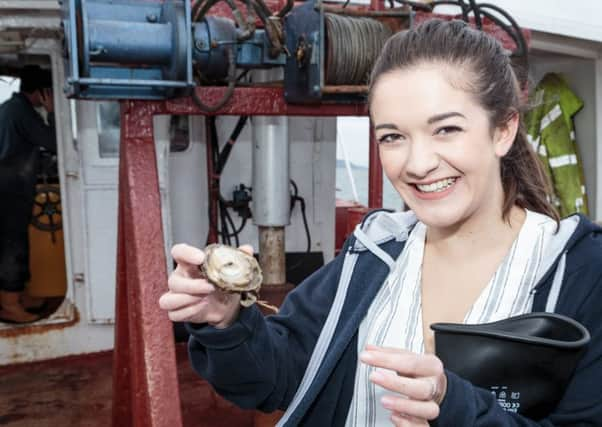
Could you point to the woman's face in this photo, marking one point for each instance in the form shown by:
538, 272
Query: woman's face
436, 144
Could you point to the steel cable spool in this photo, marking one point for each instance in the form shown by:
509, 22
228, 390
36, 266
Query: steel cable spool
353, 44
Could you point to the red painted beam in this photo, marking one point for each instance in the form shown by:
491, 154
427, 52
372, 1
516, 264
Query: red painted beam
260, 101
122, 413
375, 174
144, 374
213, 184
145, 386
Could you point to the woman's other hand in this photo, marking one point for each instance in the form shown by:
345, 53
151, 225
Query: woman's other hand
417, 389
191, 298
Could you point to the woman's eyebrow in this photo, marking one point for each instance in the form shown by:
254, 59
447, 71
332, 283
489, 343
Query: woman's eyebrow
386, 126
443, 116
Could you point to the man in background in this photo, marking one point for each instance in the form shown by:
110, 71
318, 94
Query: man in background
22, 133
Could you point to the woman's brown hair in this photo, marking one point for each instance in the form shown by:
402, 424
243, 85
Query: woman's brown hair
492, 81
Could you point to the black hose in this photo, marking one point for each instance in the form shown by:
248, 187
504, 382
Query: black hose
264, 9
458, 3
225, 153
294, 199
229, 220
229, 91
305, 224
477, 15
219, 160
286, 9
513, 30
518, 36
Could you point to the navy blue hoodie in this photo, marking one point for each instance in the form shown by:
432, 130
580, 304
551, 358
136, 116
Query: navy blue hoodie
260, 362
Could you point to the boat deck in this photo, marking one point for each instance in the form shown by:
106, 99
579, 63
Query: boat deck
76, 392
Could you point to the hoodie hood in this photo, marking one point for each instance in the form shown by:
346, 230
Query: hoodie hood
382, 226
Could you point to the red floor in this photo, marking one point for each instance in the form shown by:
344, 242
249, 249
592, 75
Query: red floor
76, 392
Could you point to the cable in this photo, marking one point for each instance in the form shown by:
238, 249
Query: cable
225, 153
477, 15
224, 233
286, 9
517, 36
294, 199
352, 47
304, 216
513, 30
226, 228
229, 91
229, 220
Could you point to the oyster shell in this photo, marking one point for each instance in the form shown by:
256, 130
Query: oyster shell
233, 270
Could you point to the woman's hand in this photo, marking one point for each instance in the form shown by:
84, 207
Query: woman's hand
191, 298
418, 388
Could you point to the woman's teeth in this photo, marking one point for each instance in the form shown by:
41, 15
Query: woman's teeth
436, 187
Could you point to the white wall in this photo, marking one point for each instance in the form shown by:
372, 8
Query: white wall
312, 157
579, 19
8, 85
574, 19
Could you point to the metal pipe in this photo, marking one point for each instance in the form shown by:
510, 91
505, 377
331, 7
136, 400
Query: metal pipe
345, 89
126, 82
271, 255
271, 194
130, 42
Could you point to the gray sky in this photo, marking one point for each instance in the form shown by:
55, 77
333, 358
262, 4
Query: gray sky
353, 132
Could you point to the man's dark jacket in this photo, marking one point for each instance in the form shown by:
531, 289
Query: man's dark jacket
22, 132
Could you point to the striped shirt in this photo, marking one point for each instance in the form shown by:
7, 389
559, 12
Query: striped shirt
395, 316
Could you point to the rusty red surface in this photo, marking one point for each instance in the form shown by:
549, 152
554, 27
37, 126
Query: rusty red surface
261, 101
222, 9
76, 391
341, 220
145, 380
377, 5
35, 329
375, 174
213, 184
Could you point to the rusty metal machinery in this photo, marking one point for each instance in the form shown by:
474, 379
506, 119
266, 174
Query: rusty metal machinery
144, 49
140, 49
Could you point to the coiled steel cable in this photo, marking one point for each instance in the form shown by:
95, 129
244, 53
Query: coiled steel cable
353, 44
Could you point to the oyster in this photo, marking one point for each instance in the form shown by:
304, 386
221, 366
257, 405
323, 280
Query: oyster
233, 270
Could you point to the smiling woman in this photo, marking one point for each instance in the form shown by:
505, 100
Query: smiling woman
440, 155
352, 345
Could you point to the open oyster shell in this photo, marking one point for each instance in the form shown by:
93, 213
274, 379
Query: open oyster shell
233, 270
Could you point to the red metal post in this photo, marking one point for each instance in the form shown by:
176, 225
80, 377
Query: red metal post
212, 184
122, 395
145, 384
375, 174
